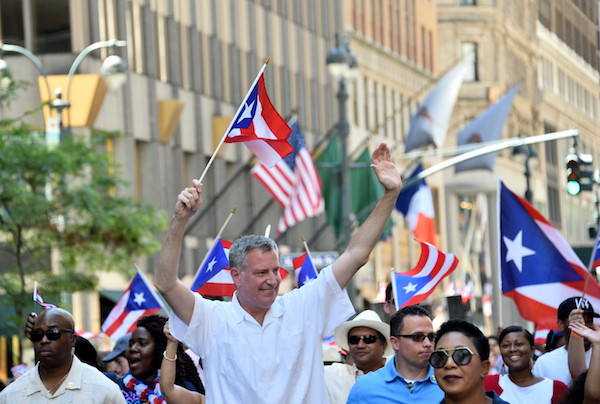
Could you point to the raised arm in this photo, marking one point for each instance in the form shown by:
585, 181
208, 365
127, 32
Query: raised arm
575, 348
174, 394
179, 296
363, 241
592, 380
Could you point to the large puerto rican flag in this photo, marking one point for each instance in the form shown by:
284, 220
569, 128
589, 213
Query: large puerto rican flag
539, 269
258, 124
137, 301
414, 286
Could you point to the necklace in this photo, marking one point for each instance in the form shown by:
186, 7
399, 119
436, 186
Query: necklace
147, 393
56, 386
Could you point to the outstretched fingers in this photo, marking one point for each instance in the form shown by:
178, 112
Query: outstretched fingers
385, 169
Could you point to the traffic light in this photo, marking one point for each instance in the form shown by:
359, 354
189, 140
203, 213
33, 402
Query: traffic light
579, 173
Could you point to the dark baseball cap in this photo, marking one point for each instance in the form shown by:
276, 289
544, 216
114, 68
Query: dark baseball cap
119, 349
572, 303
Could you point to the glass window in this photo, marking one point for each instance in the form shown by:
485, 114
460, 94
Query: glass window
11, 22
51, 26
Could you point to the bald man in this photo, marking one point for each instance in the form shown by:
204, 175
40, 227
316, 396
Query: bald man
59, 376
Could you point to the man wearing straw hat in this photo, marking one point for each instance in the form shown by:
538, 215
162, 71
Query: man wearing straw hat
261, 347
367, 340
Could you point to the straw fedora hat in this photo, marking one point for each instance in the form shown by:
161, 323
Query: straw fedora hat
366, 318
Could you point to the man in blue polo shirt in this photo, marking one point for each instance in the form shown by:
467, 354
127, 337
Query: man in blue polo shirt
408, 378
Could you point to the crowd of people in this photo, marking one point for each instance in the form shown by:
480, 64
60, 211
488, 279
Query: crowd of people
261, 347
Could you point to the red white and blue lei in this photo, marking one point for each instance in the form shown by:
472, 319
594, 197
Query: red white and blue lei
150, 394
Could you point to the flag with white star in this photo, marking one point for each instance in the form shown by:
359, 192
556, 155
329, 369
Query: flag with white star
213, 277
258, 124
414, 286
538, 267
137, 301
304, 269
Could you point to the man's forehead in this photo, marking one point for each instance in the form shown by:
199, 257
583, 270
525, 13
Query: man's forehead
416, 323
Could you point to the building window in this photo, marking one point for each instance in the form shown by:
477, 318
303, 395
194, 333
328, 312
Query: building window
471, 73
468, 2
51, 26
11, 22
544, 13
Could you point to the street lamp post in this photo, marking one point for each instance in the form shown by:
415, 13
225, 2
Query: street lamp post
113, 70
527, 153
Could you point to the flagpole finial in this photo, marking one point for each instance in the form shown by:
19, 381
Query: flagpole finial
267, 61
234, 209
303, 239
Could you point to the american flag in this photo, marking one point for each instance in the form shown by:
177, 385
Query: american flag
294, 183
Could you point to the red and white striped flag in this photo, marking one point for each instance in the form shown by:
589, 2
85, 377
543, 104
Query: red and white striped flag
37, 297
137, 301
414, 286
294, 183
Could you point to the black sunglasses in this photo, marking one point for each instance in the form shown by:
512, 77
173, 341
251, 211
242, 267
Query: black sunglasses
52, 334
418, 337
368, 339
462, 355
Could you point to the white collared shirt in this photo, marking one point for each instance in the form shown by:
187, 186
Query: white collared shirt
278, 362
83, 384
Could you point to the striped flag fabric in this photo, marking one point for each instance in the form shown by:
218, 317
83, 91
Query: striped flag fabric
414, 286
416, 204
596, 251
539, 269
305, 269
259, 126
213, 277
430, 123
37, 297
293, 182
137, 301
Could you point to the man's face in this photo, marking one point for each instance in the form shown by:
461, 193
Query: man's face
119, 365
410, 353
258, 283
53, 353
563, 325
367, 357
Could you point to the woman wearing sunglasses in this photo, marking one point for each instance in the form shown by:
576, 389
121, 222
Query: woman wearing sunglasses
520, 385
461, 361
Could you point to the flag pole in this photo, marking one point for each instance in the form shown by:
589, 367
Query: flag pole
393, 278
305, 245
589, 269
226, 222
243, 103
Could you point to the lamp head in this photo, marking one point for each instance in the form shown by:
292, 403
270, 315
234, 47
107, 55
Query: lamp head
114, 71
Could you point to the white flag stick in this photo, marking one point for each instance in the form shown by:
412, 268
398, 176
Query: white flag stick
226, 222
242, 105
268, 231
305, 245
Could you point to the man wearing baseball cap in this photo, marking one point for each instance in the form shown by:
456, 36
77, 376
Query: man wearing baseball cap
555, 364
115, 361
366, 339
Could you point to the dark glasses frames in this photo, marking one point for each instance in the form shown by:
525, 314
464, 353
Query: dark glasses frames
462, 355
418, 337
368, 339
52, 334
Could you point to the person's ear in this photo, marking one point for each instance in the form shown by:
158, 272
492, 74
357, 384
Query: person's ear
485, 368
236, 275
562, 326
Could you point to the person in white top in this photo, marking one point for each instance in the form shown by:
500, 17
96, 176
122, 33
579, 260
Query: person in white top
520, 386
366, 339
261, 347
555, 364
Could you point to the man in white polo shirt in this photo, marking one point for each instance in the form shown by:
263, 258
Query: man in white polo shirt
261, 347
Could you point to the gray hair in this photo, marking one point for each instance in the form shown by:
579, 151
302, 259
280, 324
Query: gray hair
243, 245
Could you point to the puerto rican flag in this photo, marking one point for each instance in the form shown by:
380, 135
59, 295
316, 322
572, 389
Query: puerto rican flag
258, 124
137, 301
539, 269
304, 269
213, 277
414, 286
416, 204
37, 297
596, 251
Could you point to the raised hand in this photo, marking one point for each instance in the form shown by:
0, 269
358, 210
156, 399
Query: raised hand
385, 169
592, 335
188, 201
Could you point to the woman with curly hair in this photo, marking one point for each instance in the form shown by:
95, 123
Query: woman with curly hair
146, 348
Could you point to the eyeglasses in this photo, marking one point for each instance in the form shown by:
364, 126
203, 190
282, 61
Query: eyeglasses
52, 334
368, 339
462, 355
418, 337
